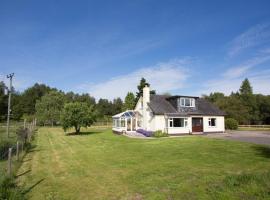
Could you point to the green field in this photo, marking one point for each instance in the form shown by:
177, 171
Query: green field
100, 165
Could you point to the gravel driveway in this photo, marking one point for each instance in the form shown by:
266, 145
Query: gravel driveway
257, 137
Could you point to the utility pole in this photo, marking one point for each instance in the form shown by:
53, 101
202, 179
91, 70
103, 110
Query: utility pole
10, 76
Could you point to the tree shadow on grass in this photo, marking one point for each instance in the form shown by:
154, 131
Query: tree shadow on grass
21, 174
83, 133
33, 186
263, 151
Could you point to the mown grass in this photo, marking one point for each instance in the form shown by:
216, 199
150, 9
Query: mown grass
253, 129
100, 165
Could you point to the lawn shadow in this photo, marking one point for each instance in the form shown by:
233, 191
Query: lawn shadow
263, 151
33, 186
83, 133
21, 174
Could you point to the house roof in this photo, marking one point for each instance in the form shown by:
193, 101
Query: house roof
160, 105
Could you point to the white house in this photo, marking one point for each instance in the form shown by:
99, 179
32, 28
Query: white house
172, 114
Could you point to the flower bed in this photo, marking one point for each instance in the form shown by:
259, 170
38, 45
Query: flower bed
145, 133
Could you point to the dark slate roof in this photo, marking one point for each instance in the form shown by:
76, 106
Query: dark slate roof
160, 104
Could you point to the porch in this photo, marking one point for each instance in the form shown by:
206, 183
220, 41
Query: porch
128, 121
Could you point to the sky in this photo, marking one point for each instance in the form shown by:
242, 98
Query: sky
104, 47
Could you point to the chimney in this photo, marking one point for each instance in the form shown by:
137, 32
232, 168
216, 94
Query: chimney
146, 94
146, 100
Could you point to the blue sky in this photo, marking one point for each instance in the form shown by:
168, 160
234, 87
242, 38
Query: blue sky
105, 47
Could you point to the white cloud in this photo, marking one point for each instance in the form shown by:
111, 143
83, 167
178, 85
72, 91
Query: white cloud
242, 69
163, 77
254, 36
233, 77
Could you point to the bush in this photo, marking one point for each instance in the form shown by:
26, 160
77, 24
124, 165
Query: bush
9, 189
231, 124
159, 133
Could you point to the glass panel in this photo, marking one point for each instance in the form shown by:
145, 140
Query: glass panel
187, 102
178, 122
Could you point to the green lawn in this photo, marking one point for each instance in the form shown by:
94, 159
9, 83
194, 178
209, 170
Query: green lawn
101, 165
253, 129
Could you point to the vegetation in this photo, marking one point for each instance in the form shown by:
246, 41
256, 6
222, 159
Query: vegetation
130, 101
140, 87
100, 165
231, 124
244, 106
159, 133
77, 115
49, 107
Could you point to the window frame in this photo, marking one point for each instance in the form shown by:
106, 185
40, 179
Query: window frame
171, 122
182, 102
210, 121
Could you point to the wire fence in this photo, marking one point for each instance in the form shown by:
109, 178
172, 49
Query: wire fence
14, 147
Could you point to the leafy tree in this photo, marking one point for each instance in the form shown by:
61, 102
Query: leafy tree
49, 107
130, 101
213, 97
140, 87
117, 106
104, 108
3, 101
77, 115
27, 100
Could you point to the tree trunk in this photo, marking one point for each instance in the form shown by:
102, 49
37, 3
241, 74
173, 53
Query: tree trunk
77, 129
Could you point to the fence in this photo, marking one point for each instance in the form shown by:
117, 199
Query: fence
102, 124
14, 147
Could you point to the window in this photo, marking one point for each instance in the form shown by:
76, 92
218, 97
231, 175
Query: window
212, 122
187, 102
177, 122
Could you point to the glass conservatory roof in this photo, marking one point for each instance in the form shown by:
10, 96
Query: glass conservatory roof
126, 114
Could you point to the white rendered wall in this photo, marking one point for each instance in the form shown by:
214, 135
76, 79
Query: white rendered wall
161, 124
220, 126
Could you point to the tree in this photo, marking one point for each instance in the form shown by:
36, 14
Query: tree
249, 100
3, 101
27, 100
130, 101
104, 108
77, 115
245, 88
49, 107
117, 106
214, 97
140, 87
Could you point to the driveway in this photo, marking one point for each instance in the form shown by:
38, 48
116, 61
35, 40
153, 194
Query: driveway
257, 137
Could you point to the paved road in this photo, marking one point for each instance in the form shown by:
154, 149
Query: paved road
257, 137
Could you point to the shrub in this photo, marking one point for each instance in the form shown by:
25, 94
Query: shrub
231, 124
160, 133
9, 189
145, 133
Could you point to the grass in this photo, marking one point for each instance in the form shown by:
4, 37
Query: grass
253, 129
100, 165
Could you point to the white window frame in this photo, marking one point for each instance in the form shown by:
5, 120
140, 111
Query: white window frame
182, 102
209, 122
170, 122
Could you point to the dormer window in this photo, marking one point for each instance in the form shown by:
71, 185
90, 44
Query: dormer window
187, 102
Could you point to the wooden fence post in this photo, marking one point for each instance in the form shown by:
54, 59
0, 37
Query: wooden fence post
24, 124
17, 151
9, 161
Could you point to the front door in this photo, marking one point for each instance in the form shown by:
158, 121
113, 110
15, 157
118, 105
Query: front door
197, 124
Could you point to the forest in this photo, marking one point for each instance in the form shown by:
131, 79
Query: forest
46, 103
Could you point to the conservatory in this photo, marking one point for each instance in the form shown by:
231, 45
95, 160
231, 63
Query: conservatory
126, 121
